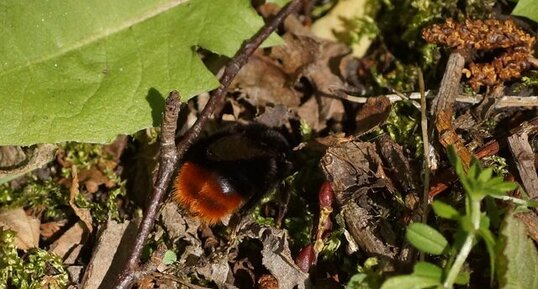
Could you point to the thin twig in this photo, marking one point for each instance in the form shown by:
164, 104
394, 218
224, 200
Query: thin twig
425, 144
502, 102
168, 162
231, 70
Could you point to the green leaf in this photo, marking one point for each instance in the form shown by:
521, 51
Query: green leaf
489, 240
358, 281
369, 276
466, 224
493, 212
527, 8
71, 70
474, 170
519, 258
426, 238
445, 210
463, 278
429, 270
485, 175
432, 271
532, 203
501, 188
169, 257
410, 282
456, 162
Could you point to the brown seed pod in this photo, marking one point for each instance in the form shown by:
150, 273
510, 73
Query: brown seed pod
510, 45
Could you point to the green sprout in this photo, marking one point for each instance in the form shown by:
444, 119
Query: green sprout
473, 226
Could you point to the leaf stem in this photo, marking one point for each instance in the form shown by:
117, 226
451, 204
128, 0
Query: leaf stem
466, 247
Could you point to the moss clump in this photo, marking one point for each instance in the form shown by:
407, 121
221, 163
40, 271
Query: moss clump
36, 269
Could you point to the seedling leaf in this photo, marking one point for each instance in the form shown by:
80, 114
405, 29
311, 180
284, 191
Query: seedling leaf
489, 239
429, 270
501, 188
410, 282
445, 210
426, 238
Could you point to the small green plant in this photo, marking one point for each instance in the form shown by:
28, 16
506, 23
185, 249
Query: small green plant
46, 196
369, 275
35, 269
403, 125
86, 156
473, 226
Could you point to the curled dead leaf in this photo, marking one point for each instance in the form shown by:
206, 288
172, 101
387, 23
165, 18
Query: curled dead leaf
84, 214
26, 227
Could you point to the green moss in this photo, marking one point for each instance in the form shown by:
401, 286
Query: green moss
52, 198
531, 79
86, 156
46, 196
403, 126
355, 29
34, 270
497, 163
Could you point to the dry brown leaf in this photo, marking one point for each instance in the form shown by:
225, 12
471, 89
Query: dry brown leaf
11, 156
173, 221
315, 59
306, 56
357, 176
116, 148
277, 78
72, 238
216, 271
298, 52
50, 228
276, 256
324, 71
372, 114
26, 227
262, 81
244, 271
92, 178
276, 116
38, 157
331, 108
84, 214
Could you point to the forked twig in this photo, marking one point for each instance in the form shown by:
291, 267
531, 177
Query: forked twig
169, 156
